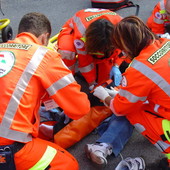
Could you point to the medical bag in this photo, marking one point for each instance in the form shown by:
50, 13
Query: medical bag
114, 5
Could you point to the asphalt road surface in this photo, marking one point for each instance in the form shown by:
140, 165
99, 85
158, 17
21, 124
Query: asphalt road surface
58, 11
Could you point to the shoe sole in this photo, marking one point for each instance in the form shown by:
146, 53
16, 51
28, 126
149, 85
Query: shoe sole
87, 152
141, 160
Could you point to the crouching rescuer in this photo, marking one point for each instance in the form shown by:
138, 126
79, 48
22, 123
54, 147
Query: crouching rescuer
28, 72
150, 64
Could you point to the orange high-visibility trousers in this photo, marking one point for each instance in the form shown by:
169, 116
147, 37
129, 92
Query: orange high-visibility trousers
77, 129
36, 154
150, 126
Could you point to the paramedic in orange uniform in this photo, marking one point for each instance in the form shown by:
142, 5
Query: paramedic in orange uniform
88, 34
29, 71
160, 17
144, 94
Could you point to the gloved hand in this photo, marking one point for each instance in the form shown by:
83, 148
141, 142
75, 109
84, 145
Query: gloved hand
92, 85
101, 93
112, 92
115, 72
166, 35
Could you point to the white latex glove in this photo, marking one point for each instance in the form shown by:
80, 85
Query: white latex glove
166, 35
91, 87
101, 93
112, 92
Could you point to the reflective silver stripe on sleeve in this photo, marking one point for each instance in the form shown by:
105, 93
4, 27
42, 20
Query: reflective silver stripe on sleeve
69, 55
79, 25
131, 97
158, 21
86, 68
81, 52
14, 102
152, 75
162, 5
61, 83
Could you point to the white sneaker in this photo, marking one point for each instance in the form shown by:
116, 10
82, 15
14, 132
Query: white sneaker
137, 163
98, 152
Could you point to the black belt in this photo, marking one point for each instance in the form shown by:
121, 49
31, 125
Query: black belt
15, 147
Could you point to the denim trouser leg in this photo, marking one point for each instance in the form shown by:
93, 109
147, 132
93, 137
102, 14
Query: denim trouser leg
117, 132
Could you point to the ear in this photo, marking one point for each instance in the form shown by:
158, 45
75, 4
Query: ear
43, 39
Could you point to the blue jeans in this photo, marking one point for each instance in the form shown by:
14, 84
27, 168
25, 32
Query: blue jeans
116, 131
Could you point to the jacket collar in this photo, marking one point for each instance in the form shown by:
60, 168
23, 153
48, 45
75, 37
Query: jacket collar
28, 36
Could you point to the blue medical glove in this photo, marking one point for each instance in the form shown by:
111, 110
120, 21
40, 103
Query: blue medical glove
116, 74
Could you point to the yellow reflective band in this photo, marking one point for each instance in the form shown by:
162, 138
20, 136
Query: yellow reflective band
83, 39
97, 53
162, 11
45, 159
168, 155
166, 128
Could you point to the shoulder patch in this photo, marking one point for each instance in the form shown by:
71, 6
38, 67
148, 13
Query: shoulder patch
158, 15
15, 46
89, 18
78, 44
159, 53
7, 60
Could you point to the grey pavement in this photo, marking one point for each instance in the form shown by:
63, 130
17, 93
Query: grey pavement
58, 11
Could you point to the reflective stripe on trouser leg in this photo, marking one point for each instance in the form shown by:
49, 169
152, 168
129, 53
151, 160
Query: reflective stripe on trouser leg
166, 128
162, 146
45, 159
168, 156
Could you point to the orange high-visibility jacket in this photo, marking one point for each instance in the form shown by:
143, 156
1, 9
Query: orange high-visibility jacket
70, 43
147, 79
158, 19
27, 72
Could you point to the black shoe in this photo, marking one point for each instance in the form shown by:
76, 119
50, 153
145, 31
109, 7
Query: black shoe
163, 165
